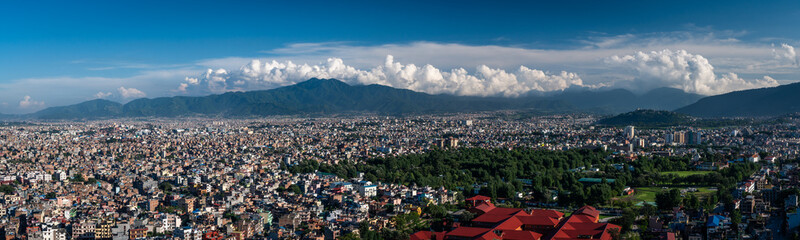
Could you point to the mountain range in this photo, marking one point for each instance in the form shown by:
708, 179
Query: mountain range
763, 102
330, 96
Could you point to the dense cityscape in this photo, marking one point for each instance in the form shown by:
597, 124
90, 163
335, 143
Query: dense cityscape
399, 120
253, 179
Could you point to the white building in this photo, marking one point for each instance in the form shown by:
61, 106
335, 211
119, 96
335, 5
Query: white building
53, 233
60, 176
168, 223
368, 190
630, 132
187, 233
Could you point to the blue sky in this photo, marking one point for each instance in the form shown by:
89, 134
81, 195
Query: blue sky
64, 52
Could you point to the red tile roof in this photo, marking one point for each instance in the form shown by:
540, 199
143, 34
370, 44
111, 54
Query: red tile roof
479, 198
426, 235
547, 213
538, 221
468, 232
583, 224
521, 235
589, 211
509, 222
483, 208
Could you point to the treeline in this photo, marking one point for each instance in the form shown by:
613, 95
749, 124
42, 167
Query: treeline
502, 173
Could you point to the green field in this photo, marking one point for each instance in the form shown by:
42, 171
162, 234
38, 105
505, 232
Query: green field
603, 216
687, 173
649, 193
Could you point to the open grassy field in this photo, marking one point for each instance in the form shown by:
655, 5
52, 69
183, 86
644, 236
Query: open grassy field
687, 173
649, 193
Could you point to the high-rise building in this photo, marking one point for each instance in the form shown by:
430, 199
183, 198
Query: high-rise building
695, 137
679, 137
630, 132
640, 142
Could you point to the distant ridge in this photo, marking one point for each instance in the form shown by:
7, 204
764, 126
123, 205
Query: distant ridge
315, 96
331, 96
621, 100
764, 102
97, 108
646, 118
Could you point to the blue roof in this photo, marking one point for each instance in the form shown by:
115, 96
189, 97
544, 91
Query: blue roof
715, 220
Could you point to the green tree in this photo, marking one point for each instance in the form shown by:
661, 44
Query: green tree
648, 210
736, 218
165, 186
78, 178
627, 219
349, 236
91, 181
7, 189
668, 199
436, 211
295, 189
692, 202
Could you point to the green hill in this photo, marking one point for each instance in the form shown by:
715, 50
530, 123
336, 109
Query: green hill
330, 96
315, 96
621, 100
647, 118
764, 102
97, 108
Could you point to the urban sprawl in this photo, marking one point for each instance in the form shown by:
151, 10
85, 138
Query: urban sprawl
197, 178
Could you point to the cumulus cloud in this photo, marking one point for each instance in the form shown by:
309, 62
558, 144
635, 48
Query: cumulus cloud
787, 54
683, 70
27, 102
130, 92
102, 95
484, 81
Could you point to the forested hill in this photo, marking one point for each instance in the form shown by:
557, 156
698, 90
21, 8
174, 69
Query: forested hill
646, 118
764, 102
315, 96
331, 96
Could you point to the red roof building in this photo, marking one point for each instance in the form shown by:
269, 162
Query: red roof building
477, 200
482, 208
519, 224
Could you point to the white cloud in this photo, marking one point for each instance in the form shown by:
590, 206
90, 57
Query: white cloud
60, 91
787, 54
452, 68
683, 70
453, 55
101, 95
485, 81
130, 92
27, 102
